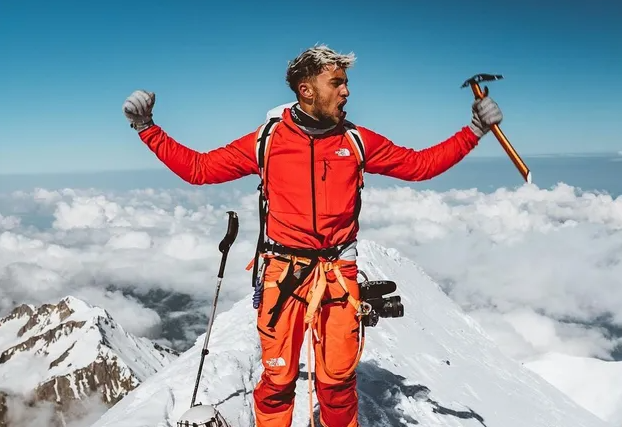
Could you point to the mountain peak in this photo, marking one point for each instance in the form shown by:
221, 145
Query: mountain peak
46, 315
74, 304
71, 350
19, 312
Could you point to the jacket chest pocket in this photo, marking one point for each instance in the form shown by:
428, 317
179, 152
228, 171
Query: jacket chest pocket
337, 179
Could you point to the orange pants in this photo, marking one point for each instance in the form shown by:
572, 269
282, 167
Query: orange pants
281, 344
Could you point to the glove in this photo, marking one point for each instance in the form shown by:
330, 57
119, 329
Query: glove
486, 112
137, 108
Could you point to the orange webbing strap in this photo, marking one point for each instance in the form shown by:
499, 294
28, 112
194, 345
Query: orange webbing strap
292, 260
318, 345
314, 298
311, 319
315, 294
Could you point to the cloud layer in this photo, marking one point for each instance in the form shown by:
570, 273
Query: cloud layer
539, 268
534, 266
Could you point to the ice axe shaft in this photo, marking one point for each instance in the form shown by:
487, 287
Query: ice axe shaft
496, 130
225, 245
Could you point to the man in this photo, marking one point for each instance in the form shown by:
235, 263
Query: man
312, 183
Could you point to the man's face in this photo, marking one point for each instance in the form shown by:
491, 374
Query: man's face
330, 90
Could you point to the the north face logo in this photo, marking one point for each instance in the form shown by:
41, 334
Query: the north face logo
343, 152
275, 361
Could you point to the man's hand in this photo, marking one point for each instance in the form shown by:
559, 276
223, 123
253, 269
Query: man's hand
486, 112
137, 108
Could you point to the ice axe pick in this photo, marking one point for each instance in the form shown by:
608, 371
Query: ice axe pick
496, 130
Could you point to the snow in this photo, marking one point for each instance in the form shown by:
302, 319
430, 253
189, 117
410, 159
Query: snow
433, 367
592, 383
9, 330
70, 345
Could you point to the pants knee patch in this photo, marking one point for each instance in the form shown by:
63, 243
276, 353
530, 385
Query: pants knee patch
271, 397
338, 402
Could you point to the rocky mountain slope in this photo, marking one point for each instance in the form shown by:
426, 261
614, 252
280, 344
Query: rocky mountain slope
61, 353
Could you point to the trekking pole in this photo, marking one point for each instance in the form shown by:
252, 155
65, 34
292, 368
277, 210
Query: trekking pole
496, 130
225, 244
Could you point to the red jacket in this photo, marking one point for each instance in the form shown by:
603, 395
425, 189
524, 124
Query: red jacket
312, 191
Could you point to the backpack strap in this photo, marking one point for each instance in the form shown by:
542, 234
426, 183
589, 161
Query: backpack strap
262, 147
353, 135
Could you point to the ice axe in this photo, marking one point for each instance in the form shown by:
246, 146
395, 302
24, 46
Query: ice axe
206, 415
496, 130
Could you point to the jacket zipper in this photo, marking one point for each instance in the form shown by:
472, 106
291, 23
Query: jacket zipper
326, 167
313, 184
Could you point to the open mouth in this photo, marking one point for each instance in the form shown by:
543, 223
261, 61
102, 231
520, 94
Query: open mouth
341, 105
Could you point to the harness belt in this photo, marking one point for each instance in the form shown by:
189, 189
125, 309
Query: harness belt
317, 261
331, 253
291, 279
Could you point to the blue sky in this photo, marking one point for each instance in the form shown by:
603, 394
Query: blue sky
218, 67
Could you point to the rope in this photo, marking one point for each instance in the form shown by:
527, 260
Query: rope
309, 348
311, 319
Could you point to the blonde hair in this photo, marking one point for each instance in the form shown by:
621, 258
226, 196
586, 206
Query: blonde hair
313, 61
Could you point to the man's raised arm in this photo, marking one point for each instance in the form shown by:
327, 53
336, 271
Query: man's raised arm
232, 161
386, 158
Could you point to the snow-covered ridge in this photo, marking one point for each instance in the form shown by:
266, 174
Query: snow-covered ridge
70, 351
433, 367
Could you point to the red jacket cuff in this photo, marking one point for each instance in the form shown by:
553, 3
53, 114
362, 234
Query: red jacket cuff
470, 135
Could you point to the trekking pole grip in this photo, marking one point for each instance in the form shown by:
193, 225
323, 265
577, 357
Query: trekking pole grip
227, 241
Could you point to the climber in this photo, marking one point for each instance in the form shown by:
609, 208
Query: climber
314, 160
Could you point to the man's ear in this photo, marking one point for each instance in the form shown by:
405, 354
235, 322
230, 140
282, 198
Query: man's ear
306, 91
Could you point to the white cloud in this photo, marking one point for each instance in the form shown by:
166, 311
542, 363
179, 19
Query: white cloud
127, 310
142, 240
557, 252
523, 334
534, 266
8, 222
23, 412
